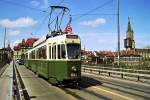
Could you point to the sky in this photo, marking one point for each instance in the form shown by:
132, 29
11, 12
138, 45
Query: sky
93, 20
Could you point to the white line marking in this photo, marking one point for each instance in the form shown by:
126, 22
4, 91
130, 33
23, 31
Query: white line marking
113, 93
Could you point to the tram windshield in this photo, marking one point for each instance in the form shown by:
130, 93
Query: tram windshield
73, 51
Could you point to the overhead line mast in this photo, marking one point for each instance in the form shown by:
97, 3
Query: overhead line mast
118, 30
4, 37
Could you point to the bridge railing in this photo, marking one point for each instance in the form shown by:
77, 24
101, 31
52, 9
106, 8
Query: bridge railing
115, 72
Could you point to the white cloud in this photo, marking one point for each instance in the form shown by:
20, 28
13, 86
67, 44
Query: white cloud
35, 3
99, 40
20, 22
13, 33
93, 23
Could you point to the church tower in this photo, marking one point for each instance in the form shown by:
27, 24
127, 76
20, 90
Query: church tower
129, 42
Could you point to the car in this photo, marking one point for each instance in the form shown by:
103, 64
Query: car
20, 61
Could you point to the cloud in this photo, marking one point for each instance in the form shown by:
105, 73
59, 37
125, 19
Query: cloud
99, 40
35, 3
20, 22
13, 33
93, 23
41, 4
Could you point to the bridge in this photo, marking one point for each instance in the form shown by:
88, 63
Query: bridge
97, 83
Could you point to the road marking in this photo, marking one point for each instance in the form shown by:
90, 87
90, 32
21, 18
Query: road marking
113, 93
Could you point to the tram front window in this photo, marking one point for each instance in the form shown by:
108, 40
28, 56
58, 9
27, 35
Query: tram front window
73, 51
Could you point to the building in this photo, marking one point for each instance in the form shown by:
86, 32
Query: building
6, 55
145, 53
97, 57
129, 56
129, 42
22, 47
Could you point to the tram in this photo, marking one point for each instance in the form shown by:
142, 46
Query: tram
56, 57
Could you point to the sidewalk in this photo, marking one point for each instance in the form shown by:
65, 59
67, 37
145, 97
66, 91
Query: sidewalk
6, 82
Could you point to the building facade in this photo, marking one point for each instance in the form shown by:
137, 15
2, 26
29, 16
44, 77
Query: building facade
23, 47
129, 42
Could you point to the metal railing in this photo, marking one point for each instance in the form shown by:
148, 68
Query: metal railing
19, 85
3, 69
117, 71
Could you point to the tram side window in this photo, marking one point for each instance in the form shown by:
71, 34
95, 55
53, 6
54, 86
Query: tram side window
41, 52
58, 52
30, 55
49, 52
37, 54
26, 56
54, 52
63, 51
33, 54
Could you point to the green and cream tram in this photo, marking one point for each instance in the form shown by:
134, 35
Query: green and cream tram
56, 58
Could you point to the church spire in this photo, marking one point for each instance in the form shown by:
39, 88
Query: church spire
129, 41
129, 33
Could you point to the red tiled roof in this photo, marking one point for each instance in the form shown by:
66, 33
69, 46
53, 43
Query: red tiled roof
128, 53
18, 47
29, 42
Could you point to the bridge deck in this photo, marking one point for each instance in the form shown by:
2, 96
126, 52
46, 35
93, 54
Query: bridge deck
39, 89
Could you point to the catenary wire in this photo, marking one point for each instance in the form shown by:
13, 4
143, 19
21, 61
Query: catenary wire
92, 10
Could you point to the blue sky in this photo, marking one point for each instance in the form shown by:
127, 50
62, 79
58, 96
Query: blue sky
97, 31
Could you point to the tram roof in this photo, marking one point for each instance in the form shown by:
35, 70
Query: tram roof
59, 37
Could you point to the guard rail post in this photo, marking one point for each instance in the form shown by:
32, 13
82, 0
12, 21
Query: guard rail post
99, 72
121, 75
138, 78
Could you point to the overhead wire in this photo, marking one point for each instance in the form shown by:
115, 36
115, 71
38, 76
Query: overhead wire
45, 11
43, 21
35, 9
92, 14
93, 10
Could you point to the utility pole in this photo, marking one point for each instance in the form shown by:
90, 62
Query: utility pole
118, 30
4, 37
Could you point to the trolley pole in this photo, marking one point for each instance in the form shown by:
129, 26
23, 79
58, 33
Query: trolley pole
118, 30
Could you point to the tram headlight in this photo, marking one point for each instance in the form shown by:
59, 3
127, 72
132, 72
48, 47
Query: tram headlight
74, 68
